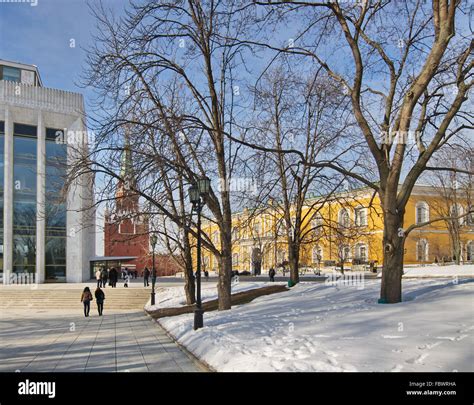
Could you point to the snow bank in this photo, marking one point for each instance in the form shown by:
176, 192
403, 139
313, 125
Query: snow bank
168, 297
336, 327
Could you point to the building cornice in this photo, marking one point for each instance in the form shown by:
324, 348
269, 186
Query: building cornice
41, 98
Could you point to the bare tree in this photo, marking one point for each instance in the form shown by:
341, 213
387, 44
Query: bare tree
303, 111
453, 202
167, 70
407, 70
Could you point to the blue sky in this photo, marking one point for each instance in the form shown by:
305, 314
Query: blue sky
42, 35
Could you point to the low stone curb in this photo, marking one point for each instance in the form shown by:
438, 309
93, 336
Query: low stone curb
239, 298
200, 363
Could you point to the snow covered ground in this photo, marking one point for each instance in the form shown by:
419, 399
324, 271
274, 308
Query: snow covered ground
434, 270
337, 327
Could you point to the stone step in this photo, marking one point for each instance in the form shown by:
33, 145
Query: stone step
70, 298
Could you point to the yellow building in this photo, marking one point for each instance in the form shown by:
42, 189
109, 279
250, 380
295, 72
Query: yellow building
347, 227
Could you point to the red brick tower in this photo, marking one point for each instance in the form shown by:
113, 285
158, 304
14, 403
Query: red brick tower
125, 227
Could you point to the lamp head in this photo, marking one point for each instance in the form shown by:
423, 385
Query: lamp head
153, 240
194, 194
204, 185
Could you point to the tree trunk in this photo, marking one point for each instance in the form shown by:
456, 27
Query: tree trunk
225, 267
457, 251
393, 246
224, 287
189, 284
456, 244
294, 258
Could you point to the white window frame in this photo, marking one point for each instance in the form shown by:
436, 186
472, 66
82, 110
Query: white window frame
426, 253
460, 211
357, 217
340, 215
425, 205
470, 251
357, 251
235, 259
317, 250
343, 250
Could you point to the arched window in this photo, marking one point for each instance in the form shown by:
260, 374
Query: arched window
317, 223
470, 217
317, 254
345, 253
422, 250
422, 212
456, 211
470, 251
361, 216
235, 259
362, 252
344, 218
281, 257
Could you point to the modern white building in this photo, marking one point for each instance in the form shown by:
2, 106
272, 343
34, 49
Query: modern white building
46, 234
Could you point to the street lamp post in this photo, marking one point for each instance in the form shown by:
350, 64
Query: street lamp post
153, 240
197, 195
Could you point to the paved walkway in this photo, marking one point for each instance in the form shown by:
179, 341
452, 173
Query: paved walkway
56, 342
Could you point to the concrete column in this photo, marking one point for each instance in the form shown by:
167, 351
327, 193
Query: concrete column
76, 268
40, 200
8, 200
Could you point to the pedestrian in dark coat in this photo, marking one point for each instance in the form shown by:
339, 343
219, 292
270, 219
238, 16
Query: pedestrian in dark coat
86, 299
146, 276
113, 275
99, 298
271, 274
104, 275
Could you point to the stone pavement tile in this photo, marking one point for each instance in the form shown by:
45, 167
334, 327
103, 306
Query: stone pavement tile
23, 354
66, 342
81, 353
154, 331
102, 353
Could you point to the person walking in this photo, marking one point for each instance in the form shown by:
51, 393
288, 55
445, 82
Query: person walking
98, 278
127, 279
146, 277
86, 299
104, 275
113, 277
99, 298
271, 274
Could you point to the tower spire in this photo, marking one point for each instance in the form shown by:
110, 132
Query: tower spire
126, 199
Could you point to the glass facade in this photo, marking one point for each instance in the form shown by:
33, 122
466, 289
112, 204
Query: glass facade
2, 150
55, 249
11, 74
24, 198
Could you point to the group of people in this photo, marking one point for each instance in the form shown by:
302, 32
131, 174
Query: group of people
110, 276
86, 299
106, 276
